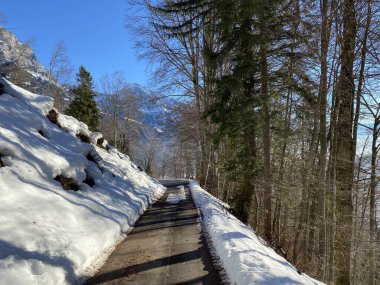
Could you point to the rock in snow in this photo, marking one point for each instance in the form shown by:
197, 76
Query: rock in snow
245, 258
49, 235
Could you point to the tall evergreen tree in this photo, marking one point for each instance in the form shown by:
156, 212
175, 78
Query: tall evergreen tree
84, 107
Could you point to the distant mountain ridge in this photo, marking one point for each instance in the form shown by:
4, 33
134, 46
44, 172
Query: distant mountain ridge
19, 63
153, 110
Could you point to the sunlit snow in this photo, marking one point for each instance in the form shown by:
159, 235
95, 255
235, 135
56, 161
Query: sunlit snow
49, 235
244, 256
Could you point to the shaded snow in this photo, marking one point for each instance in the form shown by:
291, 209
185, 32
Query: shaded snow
49, 235
244, 256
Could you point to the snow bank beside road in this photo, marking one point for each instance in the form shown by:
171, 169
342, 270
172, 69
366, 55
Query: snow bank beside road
49, 235
246, 259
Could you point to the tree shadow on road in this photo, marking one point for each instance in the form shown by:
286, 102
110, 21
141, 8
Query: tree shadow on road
134, 269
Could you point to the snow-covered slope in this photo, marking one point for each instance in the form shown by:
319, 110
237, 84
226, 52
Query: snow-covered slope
49, 235
244, 256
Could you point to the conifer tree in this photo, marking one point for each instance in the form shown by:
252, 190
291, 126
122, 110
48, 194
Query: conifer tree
281, 87
84, 107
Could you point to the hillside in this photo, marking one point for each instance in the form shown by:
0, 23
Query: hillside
50, 235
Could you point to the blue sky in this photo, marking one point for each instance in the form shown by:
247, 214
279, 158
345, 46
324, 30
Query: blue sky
93, 31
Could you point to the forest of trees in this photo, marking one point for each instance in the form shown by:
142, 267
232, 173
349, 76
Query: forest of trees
273, 105
277, 113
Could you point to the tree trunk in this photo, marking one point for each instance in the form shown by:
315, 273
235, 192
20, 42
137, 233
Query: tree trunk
344, 161
266, 144
325, 37
372, 202
115, 129
361, 75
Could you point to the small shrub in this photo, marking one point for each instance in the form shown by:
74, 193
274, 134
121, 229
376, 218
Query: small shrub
53, 116
83, 138
67, 183
99, 142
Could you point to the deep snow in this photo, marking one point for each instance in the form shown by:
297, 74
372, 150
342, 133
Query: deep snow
49, 235
243, 255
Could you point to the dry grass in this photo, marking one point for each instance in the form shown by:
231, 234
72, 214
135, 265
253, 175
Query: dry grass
84, 138
53, 117
67, 183
99, 142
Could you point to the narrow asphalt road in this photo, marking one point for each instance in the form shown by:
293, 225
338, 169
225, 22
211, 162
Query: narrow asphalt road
165, 247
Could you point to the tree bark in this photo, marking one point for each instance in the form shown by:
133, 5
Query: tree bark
344, 161
372, 201
325, 37
266, 144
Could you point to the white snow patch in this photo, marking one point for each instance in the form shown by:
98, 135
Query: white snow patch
49, 235
132, 120
95, 136
73, 126
43, 103
158, 130
244, 256
175, 198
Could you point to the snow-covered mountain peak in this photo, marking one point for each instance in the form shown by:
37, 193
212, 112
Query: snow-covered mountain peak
13, 52
20, 65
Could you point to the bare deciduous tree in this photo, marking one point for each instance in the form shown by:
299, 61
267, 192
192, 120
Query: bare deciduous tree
113, 99
60, 71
